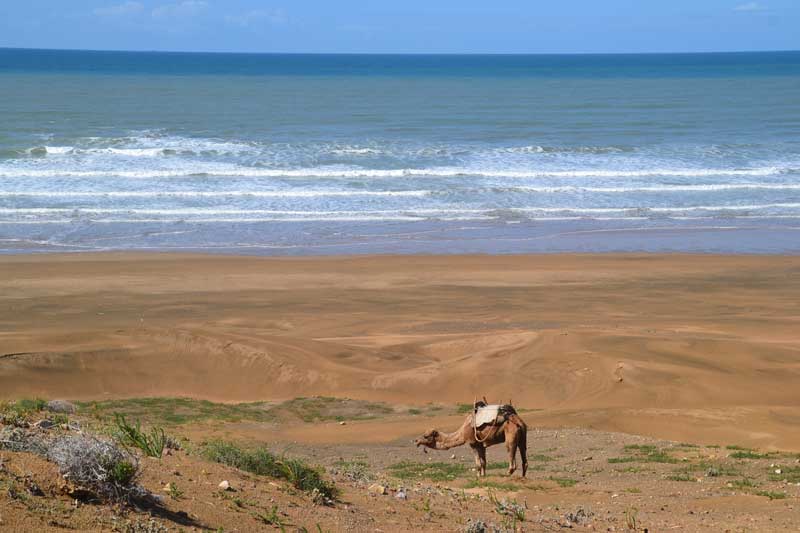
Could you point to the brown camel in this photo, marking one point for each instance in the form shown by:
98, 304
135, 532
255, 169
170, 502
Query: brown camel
512, 431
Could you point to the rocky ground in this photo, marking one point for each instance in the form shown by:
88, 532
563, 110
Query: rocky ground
578, 479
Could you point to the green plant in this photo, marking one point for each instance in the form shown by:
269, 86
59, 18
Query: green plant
262, 462
631, 518
152, 444
174, 492
121, 472
506, 507
272, 518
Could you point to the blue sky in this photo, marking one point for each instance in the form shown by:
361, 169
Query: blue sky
403, 26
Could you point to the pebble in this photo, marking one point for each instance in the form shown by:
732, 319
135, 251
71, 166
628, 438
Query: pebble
342, 423
224, 485
401, 495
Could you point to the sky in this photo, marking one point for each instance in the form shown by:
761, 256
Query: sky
403, 26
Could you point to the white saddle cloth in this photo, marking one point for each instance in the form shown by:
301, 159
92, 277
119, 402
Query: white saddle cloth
486, 415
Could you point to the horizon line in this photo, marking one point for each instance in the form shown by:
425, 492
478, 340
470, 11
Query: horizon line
109, 50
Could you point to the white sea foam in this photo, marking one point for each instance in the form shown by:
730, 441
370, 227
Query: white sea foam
417, 212
208, 194
657, 188
323, 172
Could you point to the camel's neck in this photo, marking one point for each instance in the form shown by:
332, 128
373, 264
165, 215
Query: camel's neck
451, 440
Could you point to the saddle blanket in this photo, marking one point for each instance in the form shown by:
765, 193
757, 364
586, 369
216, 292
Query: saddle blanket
486, 415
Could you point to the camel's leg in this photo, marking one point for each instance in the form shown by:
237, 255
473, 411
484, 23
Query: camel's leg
476, 450
511, 446
522, 444
481, 460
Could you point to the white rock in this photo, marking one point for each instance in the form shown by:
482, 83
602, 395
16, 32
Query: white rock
224, 485
401, 495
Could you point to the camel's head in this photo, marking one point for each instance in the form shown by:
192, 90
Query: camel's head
428, 439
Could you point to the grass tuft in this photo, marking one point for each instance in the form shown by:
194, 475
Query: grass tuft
432, 471
152, 444
262, 462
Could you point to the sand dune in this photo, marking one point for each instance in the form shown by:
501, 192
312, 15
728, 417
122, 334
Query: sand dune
703, 348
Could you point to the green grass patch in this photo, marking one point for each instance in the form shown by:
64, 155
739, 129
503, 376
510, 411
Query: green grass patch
495, 485
681, 476
176, 411
356, 469
497, 465
431, 471
744, 484
643, 453
325, 408
772, 495
711, 469
464, 408
634, 490
790, 474
564, 481
540, 458
414, 411
19, 411
179, 411
748, 454
262, 462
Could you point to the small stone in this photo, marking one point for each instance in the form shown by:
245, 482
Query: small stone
342, 423
168, 487
588, 458
225, 485
778, 471
453, 456
401, 495
377, 489
44, 424
60, 406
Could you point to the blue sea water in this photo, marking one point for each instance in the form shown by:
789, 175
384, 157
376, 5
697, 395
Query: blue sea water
321, 154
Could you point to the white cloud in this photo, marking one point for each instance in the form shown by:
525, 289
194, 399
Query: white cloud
750, 6
273, 17
186, 8
119, 10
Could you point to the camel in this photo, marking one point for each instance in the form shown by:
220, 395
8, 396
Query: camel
512, 431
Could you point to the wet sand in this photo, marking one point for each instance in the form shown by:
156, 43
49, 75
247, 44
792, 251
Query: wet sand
696, 348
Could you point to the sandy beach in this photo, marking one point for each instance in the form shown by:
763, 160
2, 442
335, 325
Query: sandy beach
696, 348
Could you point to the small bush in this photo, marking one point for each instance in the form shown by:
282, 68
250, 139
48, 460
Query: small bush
103, 468
152, 444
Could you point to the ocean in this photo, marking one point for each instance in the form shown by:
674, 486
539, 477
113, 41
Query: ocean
326, 154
